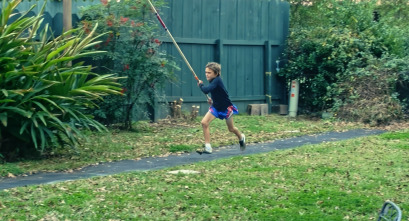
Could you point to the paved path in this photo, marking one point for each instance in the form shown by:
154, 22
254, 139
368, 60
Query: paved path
145, 164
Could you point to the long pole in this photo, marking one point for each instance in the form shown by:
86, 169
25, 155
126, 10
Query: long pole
175, 43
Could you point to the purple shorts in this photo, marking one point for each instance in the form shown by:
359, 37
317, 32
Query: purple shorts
224, 114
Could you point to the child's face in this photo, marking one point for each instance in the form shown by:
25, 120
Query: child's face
210, 75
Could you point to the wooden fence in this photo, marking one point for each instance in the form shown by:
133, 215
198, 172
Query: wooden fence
246, 37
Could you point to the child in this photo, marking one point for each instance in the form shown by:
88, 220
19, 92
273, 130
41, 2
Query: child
220, 106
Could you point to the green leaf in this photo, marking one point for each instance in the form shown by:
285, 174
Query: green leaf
42, 138
5, 92
34, 136
58, 50
3, 118
7, 101
19, 111
24, 127
56, 61
48, 101
41, 116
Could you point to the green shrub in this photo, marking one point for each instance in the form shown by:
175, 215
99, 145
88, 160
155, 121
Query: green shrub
348, 49
315, 57
133, 52
368, 92
43, 96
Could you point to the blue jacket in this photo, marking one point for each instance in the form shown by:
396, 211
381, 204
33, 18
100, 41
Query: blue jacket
220, 96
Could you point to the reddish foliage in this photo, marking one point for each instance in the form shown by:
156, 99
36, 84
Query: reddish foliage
123, 20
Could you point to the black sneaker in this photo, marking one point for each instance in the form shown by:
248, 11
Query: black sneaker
242, 142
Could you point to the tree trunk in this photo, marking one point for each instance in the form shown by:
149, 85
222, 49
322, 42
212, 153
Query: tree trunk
67, 15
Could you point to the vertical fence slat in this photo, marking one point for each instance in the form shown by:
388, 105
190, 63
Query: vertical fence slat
268, 73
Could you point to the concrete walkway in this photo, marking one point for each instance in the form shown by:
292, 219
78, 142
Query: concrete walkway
150, 163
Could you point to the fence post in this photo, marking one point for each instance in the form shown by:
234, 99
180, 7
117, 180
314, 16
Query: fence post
219, 42
268, 71
219, 51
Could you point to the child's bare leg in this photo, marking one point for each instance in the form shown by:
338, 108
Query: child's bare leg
206, 126
232, 128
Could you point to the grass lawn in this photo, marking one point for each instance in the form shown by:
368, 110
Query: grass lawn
346, 180
169, 137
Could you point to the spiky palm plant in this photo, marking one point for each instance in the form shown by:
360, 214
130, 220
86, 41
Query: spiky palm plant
43, 96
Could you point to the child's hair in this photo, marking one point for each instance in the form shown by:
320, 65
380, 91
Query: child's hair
216, 67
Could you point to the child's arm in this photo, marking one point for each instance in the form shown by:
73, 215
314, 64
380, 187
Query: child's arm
209, 88
210, 101
200, 84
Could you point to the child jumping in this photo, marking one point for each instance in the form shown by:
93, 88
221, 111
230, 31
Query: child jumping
220, 106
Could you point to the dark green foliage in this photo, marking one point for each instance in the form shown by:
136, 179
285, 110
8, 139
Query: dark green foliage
315, 56
133, 52
324, 53
43, 96
367, 92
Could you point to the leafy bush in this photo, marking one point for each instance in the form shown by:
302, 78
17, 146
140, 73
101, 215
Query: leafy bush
328, 56
133, 53
368, 92
394, 20
43, 96
315, 57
